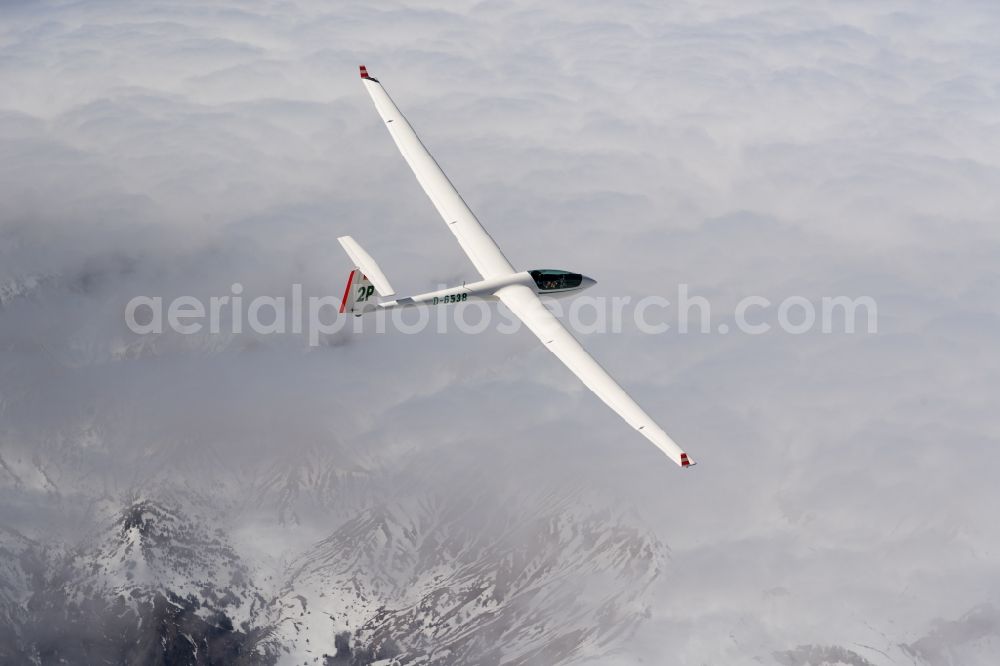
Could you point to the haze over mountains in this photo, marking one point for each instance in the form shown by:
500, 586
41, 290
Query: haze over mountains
384, 567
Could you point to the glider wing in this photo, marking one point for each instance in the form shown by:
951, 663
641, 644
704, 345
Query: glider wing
475, 241
527, 307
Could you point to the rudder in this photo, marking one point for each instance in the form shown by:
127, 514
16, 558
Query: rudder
357, 294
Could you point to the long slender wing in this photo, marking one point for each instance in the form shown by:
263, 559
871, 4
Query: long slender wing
528, 308
478, 245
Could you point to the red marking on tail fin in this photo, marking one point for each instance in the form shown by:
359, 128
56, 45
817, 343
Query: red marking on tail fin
347, 292
364, 72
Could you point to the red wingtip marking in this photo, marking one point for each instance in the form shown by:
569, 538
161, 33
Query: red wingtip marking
684, 460
364, 72
347, 292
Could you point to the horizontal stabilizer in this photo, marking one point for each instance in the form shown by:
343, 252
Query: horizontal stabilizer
364, 261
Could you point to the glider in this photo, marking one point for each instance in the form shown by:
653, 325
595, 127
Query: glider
518, 290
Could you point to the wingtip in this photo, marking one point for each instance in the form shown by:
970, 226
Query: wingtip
685, 461
365, 75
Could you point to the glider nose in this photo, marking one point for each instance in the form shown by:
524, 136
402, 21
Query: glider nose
588, 282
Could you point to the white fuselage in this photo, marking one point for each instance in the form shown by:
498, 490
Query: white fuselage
485, 290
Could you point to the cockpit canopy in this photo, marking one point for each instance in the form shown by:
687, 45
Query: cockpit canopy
552, 280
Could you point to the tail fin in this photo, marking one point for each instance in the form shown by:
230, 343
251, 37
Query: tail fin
367, 265
357, 294
364, 281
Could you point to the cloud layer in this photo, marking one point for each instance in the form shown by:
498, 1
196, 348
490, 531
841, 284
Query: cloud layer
846, 488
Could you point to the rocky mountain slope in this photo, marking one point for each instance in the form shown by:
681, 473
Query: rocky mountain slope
161, 583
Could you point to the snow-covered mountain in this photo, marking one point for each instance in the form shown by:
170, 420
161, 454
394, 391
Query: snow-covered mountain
163, 582
428, 585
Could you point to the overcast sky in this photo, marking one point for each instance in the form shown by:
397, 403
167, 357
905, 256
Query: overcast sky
846, 492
